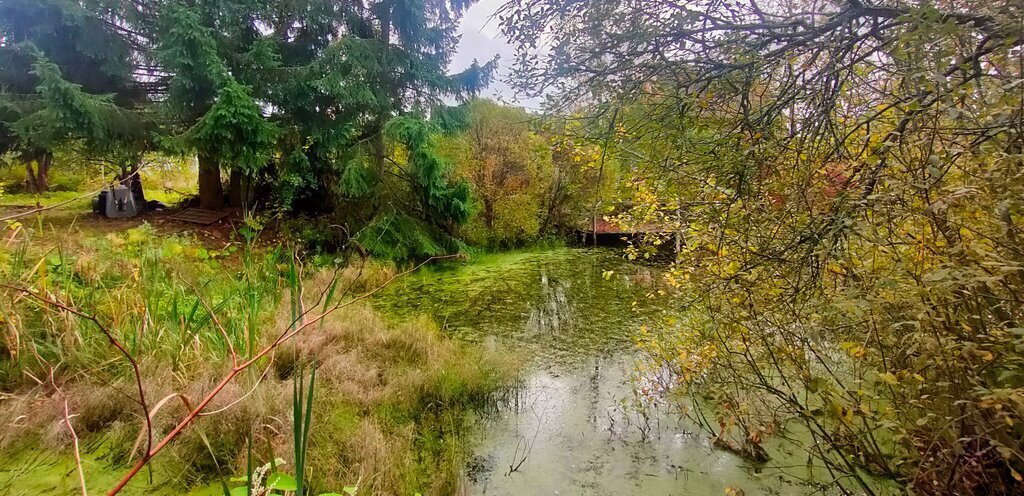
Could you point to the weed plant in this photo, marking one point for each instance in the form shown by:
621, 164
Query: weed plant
390, 410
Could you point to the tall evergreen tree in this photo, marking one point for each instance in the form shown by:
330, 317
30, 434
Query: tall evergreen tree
65, 78
329, 76
345, 72
293, 98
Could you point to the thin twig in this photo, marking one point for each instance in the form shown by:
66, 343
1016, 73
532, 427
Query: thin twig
110, 337
74, 436
213, 317
242, 398
284, 336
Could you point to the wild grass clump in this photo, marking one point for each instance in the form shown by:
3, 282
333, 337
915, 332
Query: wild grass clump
393, 402
399, 399
152, 291
390, 409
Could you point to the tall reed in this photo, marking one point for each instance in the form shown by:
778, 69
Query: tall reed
302, 418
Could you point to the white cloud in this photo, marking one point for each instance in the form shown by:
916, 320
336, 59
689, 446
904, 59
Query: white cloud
482, 40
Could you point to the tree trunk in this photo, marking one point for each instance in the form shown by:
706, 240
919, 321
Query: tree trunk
379, 154
37, 180
235, 189
134, 182
239, 190
248, 191
377, 142
211, 191
43, 171
489, 214
30, 178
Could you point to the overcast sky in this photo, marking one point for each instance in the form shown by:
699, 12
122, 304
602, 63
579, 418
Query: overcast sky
481, 40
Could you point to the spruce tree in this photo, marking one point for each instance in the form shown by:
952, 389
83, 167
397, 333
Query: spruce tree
65, 80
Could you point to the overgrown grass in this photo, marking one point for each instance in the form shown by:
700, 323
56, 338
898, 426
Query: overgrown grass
43, 200
392, 402
52, 198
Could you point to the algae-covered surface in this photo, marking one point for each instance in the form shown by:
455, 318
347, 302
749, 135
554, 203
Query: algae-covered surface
575, 427
563, 305
40, 471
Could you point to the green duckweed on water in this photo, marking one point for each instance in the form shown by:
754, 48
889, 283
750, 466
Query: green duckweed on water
578, 425
557, 306
37, 472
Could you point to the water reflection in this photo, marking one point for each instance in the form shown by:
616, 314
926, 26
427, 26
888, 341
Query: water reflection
575, 432
579, 426
554, 307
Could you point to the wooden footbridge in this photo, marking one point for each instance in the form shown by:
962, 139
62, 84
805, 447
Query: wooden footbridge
604, 233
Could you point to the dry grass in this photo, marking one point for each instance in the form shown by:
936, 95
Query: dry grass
392, 401
387, 388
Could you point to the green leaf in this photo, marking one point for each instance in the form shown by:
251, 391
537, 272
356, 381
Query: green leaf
281, 481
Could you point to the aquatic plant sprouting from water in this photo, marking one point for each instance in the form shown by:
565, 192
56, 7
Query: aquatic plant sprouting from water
270, 478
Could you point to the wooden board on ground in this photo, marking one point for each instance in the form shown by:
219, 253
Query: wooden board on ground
198, 216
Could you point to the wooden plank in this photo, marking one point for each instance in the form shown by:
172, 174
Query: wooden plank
198, 216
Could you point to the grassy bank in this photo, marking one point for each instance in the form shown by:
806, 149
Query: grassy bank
391, 406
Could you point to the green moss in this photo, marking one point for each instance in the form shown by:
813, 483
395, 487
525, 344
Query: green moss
342, 419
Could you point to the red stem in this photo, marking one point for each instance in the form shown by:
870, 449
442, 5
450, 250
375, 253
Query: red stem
152, 450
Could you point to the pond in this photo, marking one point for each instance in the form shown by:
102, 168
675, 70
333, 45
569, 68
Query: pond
575, 427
